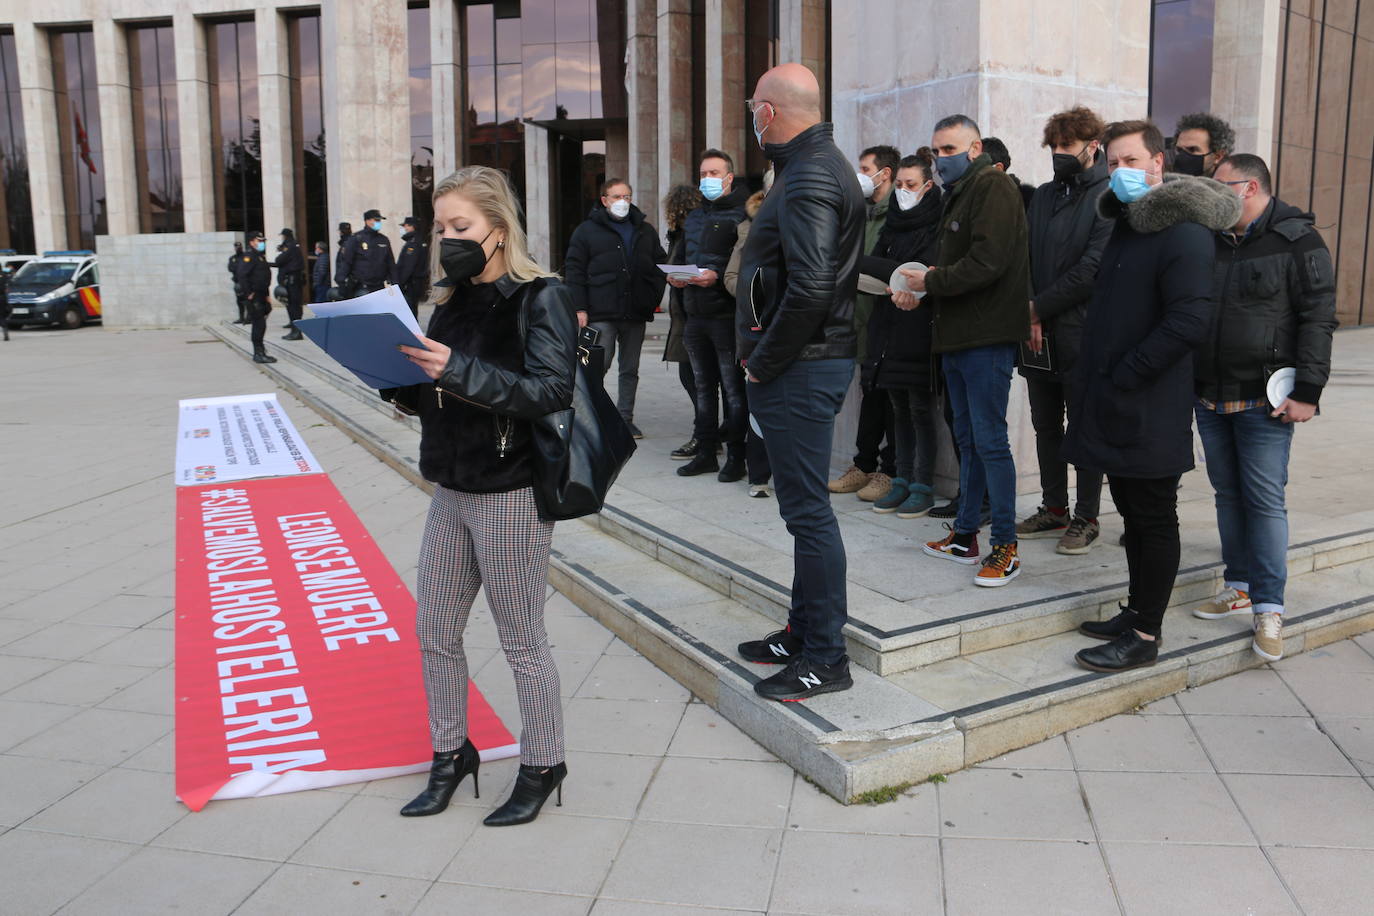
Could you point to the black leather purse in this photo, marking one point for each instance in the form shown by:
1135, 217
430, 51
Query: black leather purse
579, 451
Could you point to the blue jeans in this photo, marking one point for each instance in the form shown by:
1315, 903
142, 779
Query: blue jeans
979, 383
796, 412
1247, 462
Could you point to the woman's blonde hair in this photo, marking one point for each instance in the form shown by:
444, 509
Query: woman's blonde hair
491, 193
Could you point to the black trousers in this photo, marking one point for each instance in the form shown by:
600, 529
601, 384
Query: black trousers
1149, 509
1049, 404
294, 296
257, 312
876, 450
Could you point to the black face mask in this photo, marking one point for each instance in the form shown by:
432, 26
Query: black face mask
462, 259
1066, 165
1186, 163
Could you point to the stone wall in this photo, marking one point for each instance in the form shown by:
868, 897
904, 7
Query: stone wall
166, 279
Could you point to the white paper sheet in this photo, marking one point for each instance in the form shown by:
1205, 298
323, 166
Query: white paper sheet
238, 438
385, 301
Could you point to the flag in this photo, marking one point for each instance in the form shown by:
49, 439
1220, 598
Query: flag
83, 143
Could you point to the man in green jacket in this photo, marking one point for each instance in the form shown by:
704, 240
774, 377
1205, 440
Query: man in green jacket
978, 288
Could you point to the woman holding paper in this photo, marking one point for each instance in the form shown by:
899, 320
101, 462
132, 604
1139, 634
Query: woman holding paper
492, 373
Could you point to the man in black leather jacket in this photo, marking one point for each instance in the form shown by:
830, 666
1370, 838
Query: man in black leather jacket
794, 320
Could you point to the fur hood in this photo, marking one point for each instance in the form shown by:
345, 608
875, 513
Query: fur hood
1179, 199
751, 206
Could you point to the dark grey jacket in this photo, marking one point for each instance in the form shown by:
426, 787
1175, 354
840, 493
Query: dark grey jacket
1276, 306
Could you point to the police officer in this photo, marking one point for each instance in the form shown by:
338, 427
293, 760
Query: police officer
251, 278
233, 259
345, 233
366, 263
290, 264
412, 267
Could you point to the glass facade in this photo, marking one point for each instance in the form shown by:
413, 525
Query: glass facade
1180, 60
78, 130
421, 122
16, 213
157, 144
308, 161
234, 133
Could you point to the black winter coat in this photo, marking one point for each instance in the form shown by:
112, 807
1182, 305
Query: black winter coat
605, 281
1131, 393
898, 354
412, 266
290, 263
366, 260
1276, 306
320, 275
475, 419
1067, 236
709, 234
252, 275
675, 346
799, 271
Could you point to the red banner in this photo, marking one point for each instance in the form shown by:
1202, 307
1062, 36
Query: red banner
297, 665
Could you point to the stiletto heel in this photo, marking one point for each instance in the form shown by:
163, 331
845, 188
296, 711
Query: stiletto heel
533, 786
476, 792
447, 770
559, 804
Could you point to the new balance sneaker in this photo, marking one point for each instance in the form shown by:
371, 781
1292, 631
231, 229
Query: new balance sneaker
1001, 566
802, 679
961, 548
851, 481
1268, 643
774, 649
894, 498
1125, 652
1079, 539
918, 502
1230, 601
878, 486
1045, 523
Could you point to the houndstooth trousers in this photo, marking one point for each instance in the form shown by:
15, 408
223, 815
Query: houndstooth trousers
494, 540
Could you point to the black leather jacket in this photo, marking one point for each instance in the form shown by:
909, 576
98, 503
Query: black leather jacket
475, 418
799, 271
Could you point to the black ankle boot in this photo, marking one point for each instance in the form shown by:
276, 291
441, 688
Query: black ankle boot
704, 462
733, 469
1110, 629
444, 775
533, 787
260, 356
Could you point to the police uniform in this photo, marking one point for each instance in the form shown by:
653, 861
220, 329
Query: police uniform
412, 269
366, 263
252, 277
290, 264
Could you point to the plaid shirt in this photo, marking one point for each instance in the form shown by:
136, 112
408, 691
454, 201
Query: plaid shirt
1225, 407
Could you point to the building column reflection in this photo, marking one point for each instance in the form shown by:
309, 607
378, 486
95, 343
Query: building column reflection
446, 87
117, 125
41, 137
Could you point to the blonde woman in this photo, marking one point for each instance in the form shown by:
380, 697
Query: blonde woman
484, 528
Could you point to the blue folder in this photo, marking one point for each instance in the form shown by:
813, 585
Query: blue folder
366, 346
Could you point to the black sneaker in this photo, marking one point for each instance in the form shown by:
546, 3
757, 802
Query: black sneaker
948, 510
1125, 652
774, 649
1110, 629
685, 451
704, 462
803, 679
634, 430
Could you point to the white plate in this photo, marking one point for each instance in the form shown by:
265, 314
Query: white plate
898, 282
1281, 385
754, 425
872, 285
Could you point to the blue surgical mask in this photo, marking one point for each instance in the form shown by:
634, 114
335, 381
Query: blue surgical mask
952, 168
712, 188
377, 226
1129, 185
260, 245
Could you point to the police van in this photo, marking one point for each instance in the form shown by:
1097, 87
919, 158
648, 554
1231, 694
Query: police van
61, 288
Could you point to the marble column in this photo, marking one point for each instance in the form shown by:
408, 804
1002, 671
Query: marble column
641, 83
538, 206
725, 89
41, 137
446, 82
274, 110
365, 66
674, 112
198, 158
116, 127
1245, 77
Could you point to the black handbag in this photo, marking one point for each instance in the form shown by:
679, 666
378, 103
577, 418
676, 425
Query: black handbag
579, 451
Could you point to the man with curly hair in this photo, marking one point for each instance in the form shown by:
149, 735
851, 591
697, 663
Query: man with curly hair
1201, 142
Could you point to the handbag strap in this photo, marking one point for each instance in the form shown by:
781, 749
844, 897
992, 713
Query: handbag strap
586, 337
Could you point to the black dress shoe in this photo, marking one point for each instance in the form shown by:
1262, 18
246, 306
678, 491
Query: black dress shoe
1125, 652
533, 786
294, 335
260, 356
733, 469
704, 462
1110, 629
445, 773
802, 679
774, 649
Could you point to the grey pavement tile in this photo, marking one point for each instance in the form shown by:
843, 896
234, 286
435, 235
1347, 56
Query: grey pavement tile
257, 828
42, 871
158, 757
1025, 878
605, 906
369, 835
296, 889
15, 671
577, 634
617, 647
913, 813
621, 726
153, 694
44, 782
147, 648
1355, 737
1165, 707
447, 899
555, 854
1255, 692
129, 805
1034, 805
100, 736
606, 785
742, 793
667, 863
1050, 754
1140, 743
1258, 744
1366, 642
1306, 810
64, 641
1168, 880
1164, 808
76, 683
1347, 694
704, 732
1327, 880
12, 628
1344, 657
124, 611
620, 677
21, 721
880, 874
165, 880
573, 668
